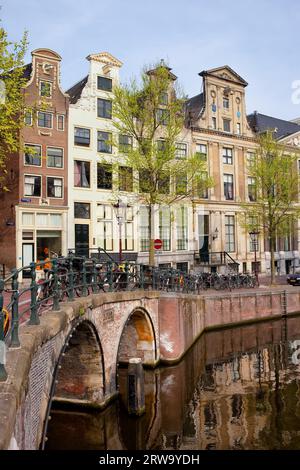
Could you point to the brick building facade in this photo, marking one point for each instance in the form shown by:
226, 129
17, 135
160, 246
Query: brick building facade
34, 210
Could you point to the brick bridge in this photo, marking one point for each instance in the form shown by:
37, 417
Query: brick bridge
73, 355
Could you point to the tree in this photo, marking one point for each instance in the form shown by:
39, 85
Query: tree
274, 192
12, 107
150, 118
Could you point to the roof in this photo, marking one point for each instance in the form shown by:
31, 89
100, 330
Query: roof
75, 91
260, 123
27, 71
225, 72
194, 106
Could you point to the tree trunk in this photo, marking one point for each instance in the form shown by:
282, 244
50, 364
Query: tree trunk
151, 235
272, 259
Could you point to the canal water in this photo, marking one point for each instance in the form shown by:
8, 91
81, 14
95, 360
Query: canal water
237, 388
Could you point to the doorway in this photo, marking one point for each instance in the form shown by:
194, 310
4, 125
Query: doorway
27, 257
82, 239
203, 231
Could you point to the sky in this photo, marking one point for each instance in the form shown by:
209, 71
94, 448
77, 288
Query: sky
259, 39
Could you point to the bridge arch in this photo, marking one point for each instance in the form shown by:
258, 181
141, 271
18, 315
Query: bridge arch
138, 339
79, 374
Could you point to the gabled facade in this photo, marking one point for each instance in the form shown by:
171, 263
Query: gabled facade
35, 208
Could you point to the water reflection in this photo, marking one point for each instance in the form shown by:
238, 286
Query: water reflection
235, 389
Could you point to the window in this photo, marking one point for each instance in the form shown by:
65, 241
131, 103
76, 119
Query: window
199, 185
254, 243
45, 89
54, 157
32, 185
82, 136
201, 149
81, 174
125, 179
226, 125
181, 183
238, 128
125, 143
229, 233
181, 226
103, 142
28, 118
161, 145
104, 227
104, 176
251, 188
181, 150
163, 183
144, 228
214, 123
104, 108
54, 187
61, 122
250, 159
82, 210
225, 103
129, 236
227, 156
33, 155
44, 119
162, 116
228, 187
163, 98
104, 83
144, 181
165, 227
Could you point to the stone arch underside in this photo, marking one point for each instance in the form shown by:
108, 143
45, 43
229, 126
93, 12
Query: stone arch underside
81, 378
138, 339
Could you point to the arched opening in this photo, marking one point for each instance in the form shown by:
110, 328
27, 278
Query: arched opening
80, 376
138, 339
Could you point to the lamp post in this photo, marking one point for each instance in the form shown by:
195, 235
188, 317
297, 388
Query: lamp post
254, 237
120, 210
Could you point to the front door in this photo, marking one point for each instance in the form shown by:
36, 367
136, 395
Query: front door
27, 257
203, 226
82, 239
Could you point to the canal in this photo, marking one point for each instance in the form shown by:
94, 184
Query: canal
236, 388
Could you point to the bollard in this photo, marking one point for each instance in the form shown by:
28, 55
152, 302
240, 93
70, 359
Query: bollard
135, 387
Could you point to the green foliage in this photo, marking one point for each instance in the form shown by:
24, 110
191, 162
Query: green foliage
12, 105
151, 113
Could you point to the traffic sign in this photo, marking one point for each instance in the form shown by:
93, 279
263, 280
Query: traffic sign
157, 244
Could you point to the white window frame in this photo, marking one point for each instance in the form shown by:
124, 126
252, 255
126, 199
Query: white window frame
62, 186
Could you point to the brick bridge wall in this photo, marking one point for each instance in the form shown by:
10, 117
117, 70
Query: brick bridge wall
75, 352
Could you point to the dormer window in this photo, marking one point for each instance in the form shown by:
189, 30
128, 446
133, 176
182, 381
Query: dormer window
225, 103
45, 89
164, 98
104, 83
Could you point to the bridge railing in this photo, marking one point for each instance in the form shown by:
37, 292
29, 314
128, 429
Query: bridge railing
65, 278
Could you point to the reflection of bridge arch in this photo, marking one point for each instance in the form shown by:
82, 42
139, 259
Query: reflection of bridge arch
79, 373
138, 339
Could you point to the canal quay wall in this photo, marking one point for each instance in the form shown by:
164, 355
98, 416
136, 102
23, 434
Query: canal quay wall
73, 355
183, 318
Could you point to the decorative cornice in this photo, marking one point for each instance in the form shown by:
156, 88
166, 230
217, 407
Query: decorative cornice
105, 58
223, 134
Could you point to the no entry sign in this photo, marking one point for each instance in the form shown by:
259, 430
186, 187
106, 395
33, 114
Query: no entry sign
157, 244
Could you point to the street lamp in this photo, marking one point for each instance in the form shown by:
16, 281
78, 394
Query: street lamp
254, 237
120, 210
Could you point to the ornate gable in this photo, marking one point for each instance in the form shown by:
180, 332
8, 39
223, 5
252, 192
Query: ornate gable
105, 58
225, 73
